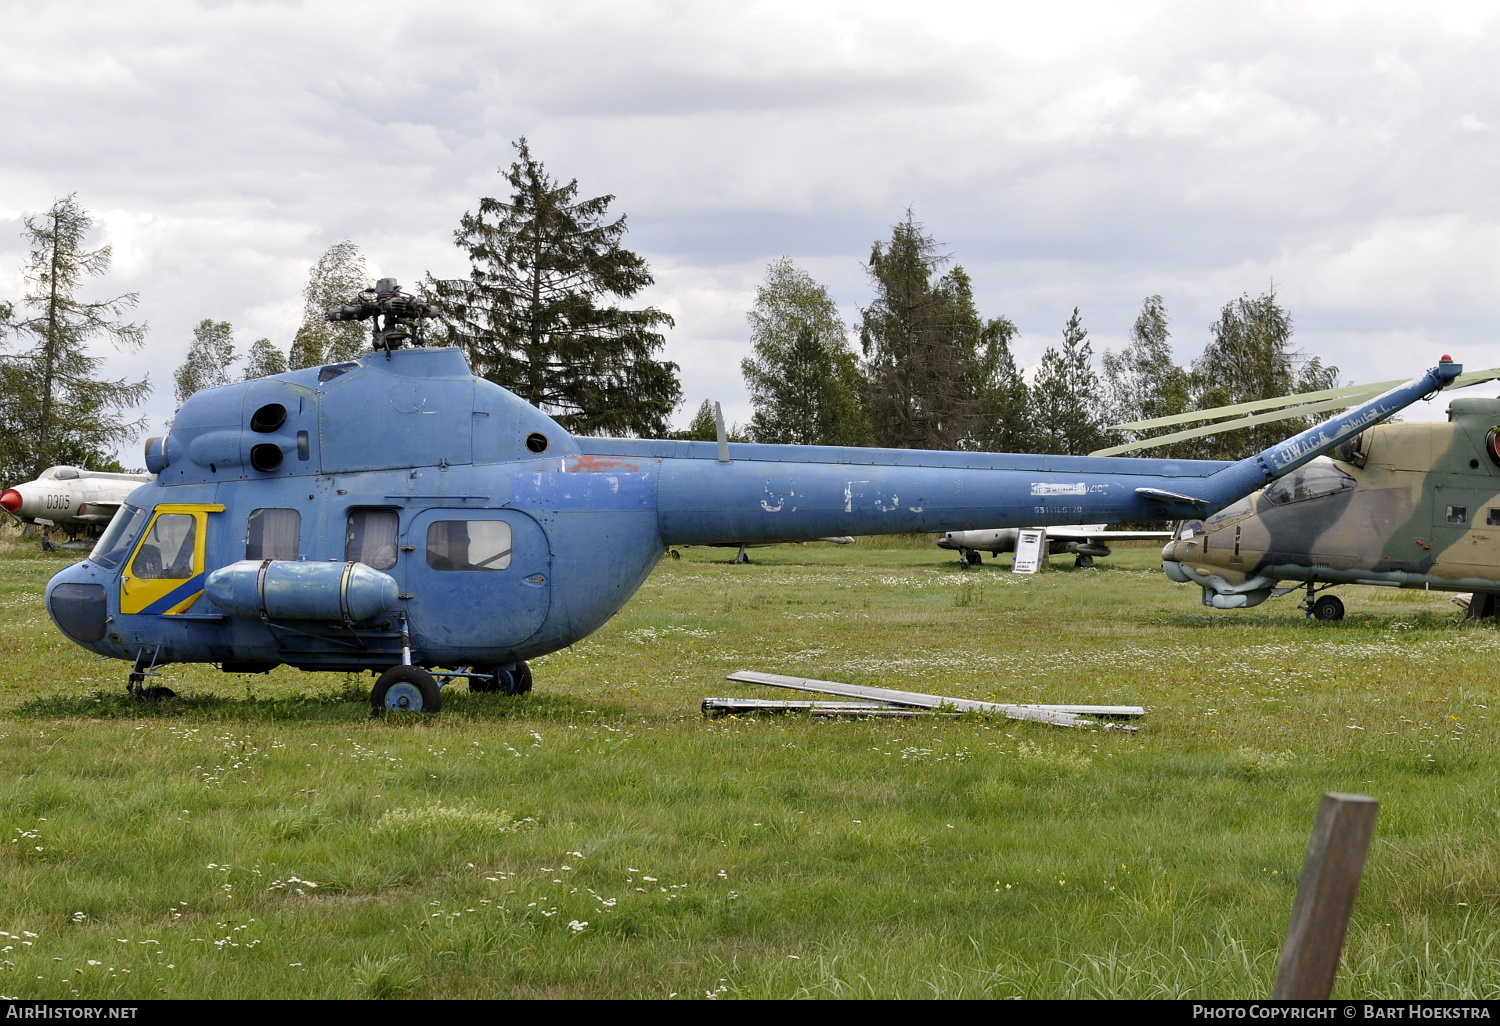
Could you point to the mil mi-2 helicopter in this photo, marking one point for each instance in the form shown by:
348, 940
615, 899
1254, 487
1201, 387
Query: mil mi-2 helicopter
399, 515
1398, 506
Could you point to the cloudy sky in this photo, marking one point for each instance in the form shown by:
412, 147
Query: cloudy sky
1066, 154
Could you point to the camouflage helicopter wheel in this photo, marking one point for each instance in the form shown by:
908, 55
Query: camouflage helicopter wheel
1328, 608
523, 680
405, 689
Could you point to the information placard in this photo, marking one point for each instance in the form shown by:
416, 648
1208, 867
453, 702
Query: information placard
1031, 551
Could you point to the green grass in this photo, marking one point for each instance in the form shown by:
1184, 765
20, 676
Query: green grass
172, 850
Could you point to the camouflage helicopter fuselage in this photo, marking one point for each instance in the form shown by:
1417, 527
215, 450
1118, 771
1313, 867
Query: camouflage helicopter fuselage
1401, 505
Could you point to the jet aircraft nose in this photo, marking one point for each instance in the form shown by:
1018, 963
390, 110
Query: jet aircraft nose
11, 500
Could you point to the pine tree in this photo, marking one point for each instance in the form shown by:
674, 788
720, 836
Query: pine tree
922, 342
539, 313
264, 359
208, 359
337, 278
1251, 357
803, 378
57, 410
1002, 402
1065, 395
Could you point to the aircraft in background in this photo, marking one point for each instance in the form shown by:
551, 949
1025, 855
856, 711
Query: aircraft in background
1085, 541
1399, 506
72, 498
397, 514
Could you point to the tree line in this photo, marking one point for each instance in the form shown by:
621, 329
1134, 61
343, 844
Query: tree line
544, 311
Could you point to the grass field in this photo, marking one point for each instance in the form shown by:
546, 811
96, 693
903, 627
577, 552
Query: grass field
262, 836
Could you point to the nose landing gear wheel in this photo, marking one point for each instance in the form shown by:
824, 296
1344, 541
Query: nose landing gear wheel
405, 689
1328, 608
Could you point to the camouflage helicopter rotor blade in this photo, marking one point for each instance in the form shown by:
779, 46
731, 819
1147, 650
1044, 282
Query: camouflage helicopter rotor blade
1332, 399
1354, 393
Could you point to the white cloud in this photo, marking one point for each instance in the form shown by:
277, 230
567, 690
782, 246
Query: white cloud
1080, 154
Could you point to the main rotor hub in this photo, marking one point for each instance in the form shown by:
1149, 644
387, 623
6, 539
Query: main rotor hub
396, 316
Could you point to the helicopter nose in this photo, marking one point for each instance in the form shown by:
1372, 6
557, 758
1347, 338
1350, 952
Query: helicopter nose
11, 500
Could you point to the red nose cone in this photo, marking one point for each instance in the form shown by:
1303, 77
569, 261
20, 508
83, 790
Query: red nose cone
11, 500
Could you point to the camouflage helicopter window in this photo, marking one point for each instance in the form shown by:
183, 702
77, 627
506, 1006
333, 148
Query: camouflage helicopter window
1458, 514
1233, 511
273, 534
468, 545
1319, 478
371, 537
1493, 518
167, 551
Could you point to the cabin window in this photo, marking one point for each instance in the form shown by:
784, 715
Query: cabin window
167, 551
273, 534
1319, 478
115, 544
1458, 514
1492, 519
371, 537
468, 545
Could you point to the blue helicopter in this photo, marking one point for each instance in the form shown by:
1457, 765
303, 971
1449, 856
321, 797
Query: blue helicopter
399, 515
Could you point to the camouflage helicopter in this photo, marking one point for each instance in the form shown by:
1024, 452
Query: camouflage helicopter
1406, 505
398, 515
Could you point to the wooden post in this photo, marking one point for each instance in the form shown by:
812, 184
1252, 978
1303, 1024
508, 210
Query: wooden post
1325, 897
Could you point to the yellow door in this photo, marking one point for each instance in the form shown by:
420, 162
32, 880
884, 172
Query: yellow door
165, 572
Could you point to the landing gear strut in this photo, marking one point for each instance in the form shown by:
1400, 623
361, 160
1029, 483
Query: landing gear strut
139, 671
968, 558
1329, 607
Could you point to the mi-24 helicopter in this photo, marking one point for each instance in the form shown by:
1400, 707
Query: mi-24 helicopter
397, 514
1399, 506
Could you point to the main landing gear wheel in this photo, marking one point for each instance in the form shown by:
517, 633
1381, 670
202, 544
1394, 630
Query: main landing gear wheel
968, 558
1328, 608
1083, 562
405, 689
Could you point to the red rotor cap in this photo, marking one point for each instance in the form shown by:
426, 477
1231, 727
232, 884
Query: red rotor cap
1446, 359
11, 500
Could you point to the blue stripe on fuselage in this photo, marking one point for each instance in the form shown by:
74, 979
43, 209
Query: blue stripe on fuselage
174, 596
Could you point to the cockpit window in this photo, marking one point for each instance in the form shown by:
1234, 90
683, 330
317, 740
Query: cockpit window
468, 545
118, 536
371, 537
167, 551
1320, 477
1233, 511
273, 534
